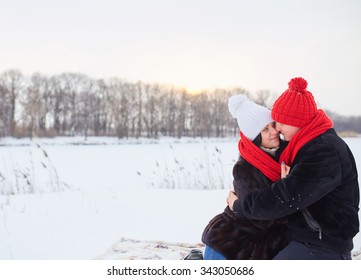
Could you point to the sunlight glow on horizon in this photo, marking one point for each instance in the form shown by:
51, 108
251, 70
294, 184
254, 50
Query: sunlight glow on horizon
196, 45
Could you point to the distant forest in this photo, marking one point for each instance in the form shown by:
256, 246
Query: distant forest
73, 104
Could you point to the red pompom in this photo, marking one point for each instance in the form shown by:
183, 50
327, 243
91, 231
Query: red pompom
298, 84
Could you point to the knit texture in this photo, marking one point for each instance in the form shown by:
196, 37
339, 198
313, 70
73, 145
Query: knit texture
251, 117
296, 106
270, 168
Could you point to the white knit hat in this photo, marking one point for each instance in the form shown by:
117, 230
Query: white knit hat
251, 117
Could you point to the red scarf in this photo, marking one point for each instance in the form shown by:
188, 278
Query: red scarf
259, 158
266, 164
320, 124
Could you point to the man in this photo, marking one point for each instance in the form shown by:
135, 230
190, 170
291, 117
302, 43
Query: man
320, 195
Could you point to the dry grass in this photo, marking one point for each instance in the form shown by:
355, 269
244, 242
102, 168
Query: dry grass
347, 133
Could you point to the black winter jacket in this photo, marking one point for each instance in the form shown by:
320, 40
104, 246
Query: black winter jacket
323, 181
241, 238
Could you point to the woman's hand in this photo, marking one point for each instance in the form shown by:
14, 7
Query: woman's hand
231, 199
285, 169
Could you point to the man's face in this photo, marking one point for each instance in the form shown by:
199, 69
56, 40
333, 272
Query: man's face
288, 131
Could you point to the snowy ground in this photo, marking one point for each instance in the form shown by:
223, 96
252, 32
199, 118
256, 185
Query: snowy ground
110, 199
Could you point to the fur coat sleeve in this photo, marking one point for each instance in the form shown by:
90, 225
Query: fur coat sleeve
241, 238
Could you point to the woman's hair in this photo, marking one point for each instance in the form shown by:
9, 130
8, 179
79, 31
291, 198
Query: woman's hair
258, 140
241, 161
241, 165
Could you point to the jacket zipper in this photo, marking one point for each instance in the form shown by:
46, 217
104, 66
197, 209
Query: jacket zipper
312, 223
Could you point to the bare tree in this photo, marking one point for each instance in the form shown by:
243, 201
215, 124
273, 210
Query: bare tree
12, 82
219, 111
182, 113
4, 115
138, 103
35, 104
57, 104
74, 104
86, 107
167, 103
200, 121
151, 114
118, 105
101, 115
264, 98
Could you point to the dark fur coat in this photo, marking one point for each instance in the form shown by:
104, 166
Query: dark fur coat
240, 238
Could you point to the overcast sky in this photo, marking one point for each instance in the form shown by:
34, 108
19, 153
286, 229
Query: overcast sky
196, 44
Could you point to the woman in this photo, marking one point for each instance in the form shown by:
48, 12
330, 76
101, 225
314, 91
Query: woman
229, 237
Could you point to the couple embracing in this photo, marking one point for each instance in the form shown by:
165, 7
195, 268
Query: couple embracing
296, 198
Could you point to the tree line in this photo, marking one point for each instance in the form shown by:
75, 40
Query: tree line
73, 104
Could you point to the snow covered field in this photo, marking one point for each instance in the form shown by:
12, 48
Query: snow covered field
105, 198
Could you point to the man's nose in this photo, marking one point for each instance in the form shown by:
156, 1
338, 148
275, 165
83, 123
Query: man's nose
278, 127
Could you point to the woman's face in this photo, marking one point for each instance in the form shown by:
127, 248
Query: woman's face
288, 131
270, 136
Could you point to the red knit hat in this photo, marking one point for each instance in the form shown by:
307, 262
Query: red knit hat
296, 106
